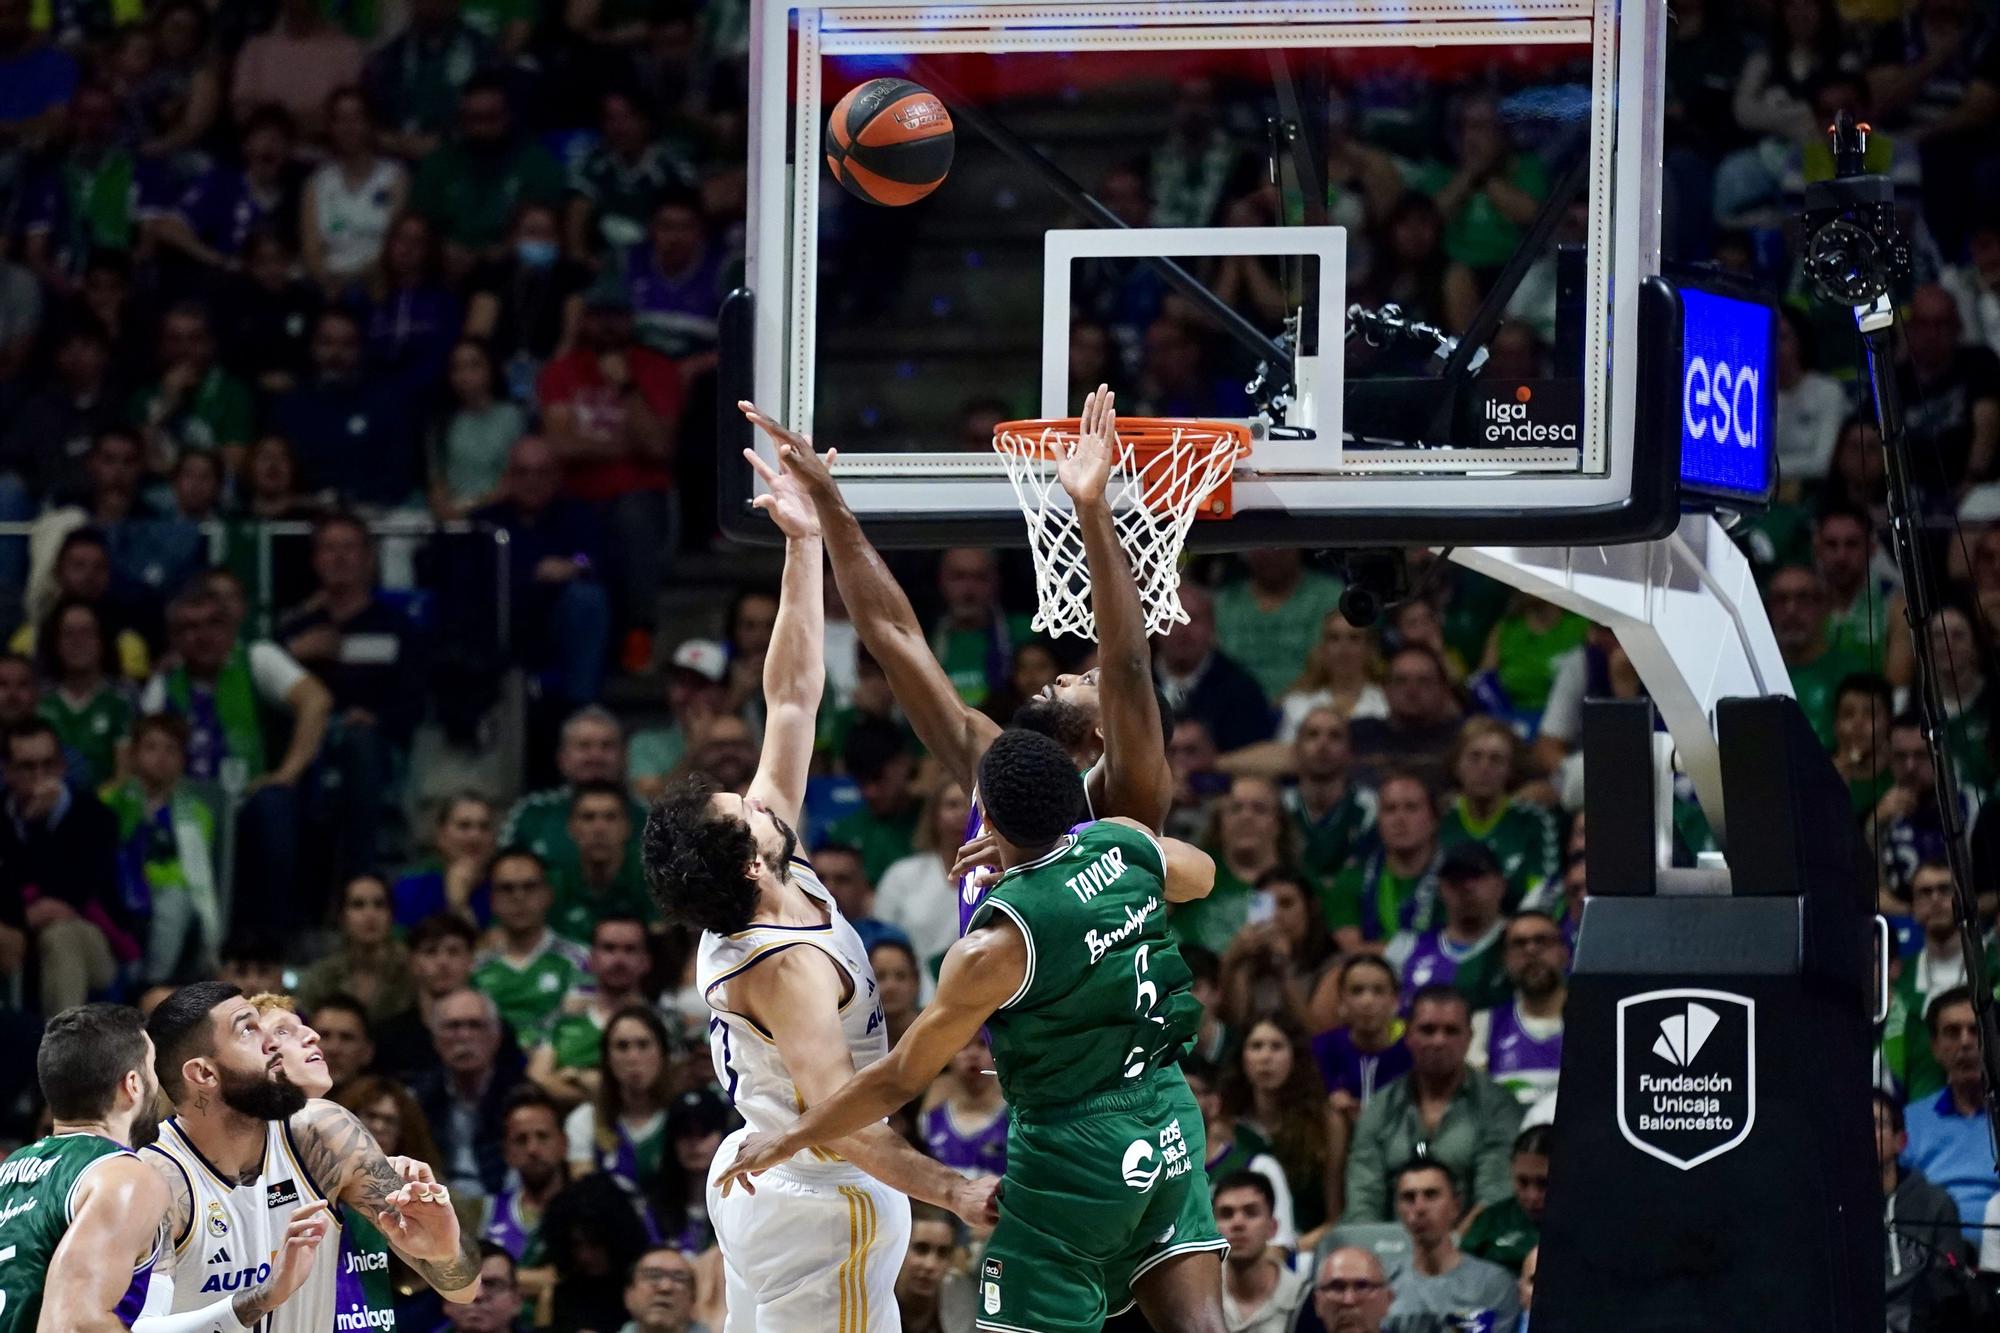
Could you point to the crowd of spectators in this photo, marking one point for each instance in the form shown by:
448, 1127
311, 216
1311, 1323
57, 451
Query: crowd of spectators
276, 278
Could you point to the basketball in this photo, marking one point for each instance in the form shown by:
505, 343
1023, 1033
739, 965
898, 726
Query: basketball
889, 142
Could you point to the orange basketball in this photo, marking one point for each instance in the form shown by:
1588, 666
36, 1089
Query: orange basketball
889, 142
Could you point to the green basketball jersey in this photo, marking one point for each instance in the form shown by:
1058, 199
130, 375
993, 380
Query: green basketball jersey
1107, 998
36, 1185
528, 994
1522, 837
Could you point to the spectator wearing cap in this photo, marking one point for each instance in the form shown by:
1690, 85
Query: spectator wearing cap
455, 880
1202, 681
1518, 1042
589, 748
556, 564
1463, 1119
371, 656
884, 828
469, 188
697, 689
612, 410
1464, 952
1422, 725
1443, 1281
465, 1096
1949, 1137
352, 433
606, 877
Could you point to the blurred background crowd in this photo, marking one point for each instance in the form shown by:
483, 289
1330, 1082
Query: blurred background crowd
361, 584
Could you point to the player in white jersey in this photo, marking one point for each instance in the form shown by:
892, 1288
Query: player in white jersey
1109, 718
350, 1287
793, 1004
249, 1166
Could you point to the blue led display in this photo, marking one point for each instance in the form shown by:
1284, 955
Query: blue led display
1728, 395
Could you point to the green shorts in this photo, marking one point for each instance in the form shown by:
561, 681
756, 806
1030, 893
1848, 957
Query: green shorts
1096, 1195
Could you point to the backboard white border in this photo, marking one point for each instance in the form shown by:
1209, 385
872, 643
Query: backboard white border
782, 262
1319, 398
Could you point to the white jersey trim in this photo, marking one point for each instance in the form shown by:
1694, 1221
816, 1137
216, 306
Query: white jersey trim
1027, 982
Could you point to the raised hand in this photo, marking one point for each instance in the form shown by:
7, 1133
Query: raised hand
1087, 470
786, 501
293, 1263
811, 471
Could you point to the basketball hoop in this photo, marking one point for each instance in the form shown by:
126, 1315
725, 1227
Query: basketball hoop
1166, 473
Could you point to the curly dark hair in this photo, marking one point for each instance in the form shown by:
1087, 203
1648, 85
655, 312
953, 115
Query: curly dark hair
1030, 788
694, 861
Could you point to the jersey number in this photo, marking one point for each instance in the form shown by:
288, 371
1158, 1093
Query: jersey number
5, 1255
1149, 995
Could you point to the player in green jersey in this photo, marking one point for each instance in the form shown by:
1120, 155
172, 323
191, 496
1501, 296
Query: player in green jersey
1072, 969
79, 1213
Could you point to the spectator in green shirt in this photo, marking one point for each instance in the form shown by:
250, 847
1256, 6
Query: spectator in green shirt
469, 189
566, 1065
195, 404
605, 879
590, 748
1525, 648
1507, 1231
1463, 1119
83, 700
1271, 620
884, 829
1485, 763
974, 639
532, 969
1488, 195
1249, 837
1796, 601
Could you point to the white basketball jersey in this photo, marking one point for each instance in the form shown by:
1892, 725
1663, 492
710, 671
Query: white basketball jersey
234, 1231
745, 1056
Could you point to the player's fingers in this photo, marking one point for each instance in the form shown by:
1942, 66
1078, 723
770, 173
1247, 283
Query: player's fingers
759, 466
831, 454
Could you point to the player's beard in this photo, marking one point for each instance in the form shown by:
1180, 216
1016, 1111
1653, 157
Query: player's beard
261, 1096
1062, 722
145, 1123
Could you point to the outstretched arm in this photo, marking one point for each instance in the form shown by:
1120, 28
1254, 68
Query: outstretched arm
1137, 781
883, 617
795, 663
796, 995
981, 972
1190, 872
416, 1218
114, 1226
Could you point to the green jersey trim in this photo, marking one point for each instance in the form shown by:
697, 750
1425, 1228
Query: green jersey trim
1063, 844
1027, 982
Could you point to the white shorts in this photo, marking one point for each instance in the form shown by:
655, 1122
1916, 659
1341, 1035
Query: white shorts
809, 1252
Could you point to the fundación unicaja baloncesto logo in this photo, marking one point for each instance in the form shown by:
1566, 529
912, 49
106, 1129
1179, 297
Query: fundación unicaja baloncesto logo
1687, 1073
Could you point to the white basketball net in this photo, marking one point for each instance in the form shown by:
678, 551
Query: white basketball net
1153, 504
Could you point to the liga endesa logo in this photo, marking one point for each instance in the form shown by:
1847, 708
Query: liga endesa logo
1529, 414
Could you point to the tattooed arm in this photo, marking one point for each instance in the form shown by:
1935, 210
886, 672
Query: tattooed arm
416, 1218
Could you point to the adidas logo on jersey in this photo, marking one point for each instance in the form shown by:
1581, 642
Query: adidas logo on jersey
220, 1257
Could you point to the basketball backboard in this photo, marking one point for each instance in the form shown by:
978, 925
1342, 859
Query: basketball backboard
1311, 166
